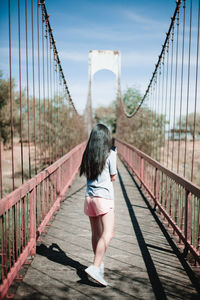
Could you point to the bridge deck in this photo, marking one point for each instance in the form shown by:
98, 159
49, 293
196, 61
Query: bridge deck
142, 261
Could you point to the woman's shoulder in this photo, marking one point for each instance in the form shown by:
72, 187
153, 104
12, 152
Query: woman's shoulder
112, 154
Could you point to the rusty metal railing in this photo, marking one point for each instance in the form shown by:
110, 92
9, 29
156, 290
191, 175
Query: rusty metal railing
177, 198
25, 212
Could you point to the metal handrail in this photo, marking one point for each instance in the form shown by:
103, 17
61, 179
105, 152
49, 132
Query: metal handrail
177, 198
26, 211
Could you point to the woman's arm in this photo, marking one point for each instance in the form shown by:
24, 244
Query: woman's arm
113, 165
113, 177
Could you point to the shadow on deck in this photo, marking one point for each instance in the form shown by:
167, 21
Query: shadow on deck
142, 261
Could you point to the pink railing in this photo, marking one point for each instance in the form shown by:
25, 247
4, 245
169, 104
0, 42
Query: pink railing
177, 198
25, 212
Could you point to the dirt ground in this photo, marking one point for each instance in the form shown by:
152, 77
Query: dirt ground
6, 157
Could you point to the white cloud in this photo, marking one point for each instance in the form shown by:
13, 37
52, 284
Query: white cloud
74, 56
4, 53
146, 58
141, 19
102, 33
132, 59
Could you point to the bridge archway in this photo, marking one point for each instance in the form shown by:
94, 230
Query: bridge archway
99, 60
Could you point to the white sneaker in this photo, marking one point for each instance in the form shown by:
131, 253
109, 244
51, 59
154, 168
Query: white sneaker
101, 268
95, 273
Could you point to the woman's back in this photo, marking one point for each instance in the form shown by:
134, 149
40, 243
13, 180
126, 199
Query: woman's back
102, 185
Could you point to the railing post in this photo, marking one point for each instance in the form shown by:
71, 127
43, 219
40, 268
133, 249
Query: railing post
156, 187
58, 185
141, 171
32, 197
71, 161
188, 219
3, 249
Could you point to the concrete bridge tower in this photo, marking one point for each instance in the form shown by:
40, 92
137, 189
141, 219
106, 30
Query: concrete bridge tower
99, 60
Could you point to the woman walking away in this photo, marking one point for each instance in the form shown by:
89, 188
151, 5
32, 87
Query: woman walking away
99, 166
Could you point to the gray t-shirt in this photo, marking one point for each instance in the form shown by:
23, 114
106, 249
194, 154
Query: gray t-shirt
102, 186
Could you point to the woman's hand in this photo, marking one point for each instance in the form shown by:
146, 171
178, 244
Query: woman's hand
113, 177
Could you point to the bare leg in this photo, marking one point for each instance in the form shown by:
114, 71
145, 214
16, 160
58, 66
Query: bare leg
107, 234
97, 230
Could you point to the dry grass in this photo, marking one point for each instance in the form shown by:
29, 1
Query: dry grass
173, 160
7, 165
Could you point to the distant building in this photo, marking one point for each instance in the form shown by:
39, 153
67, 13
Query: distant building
176, 134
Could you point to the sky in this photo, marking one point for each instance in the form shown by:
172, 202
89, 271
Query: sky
135, 28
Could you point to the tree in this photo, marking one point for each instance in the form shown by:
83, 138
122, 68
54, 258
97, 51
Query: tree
57, 130
131, 99
107, 116
5, 120
146, 130
55, 125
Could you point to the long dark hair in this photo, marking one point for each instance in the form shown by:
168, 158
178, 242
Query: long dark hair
96, 152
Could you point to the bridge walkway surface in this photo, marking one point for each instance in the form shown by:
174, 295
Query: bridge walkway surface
142, 261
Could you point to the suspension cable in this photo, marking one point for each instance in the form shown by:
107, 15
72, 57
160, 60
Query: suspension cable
196, 90
173, 18
181, 85
188, 88
46, 16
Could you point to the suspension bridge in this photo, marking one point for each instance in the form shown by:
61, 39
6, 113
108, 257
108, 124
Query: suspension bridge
45, 237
